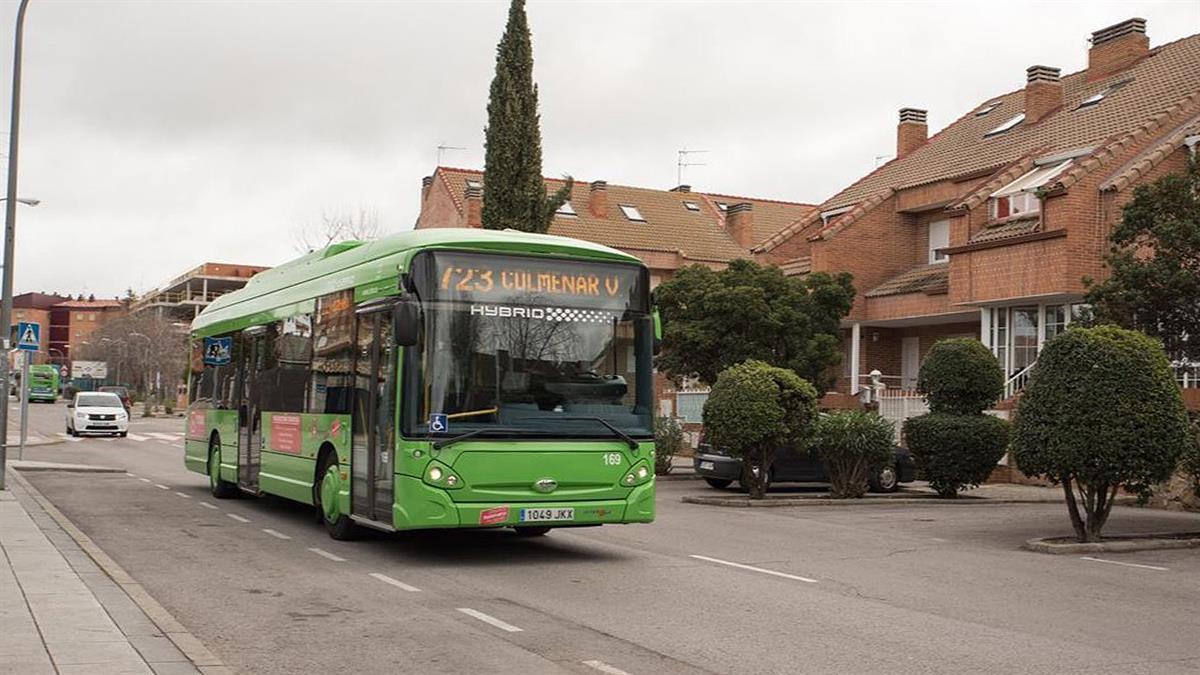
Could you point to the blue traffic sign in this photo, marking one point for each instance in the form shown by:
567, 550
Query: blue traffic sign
29, 336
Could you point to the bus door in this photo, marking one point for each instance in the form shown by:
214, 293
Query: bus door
373, 424
249, 412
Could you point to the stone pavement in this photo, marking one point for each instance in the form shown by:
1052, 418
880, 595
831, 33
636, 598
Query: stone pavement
59, 613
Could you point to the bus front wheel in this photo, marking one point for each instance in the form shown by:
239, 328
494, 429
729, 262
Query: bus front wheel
219, 487
337, 524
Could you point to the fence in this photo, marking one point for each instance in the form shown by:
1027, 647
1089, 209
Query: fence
1187, 374
897, 405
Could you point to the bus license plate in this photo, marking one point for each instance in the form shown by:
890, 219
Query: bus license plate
540, 515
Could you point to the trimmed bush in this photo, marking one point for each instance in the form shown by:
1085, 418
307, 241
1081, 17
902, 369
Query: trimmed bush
852, 445
1101, 412
960, 376
954, 452
755, 409
668, 441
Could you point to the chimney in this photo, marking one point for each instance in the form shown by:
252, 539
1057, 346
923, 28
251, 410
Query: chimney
426, 183
912, 131
1116, 48
598, 199
1043, 92
681, 188
739, 218
474, 197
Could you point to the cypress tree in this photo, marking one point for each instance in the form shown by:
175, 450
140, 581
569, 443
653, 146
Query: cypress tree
514, 195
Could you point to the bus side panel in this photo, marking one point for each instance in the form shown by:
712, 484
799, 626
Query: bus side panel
201, 423
292, 443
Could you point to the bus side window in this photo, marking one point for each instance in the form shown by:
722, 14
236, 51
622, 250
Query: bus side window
331, 385
293, 350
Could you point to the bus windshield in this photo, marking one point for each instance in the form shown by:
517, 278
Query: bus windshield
526, 346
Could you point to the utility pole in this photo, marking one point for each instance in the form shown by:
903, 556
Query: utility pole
10, 238
683, 162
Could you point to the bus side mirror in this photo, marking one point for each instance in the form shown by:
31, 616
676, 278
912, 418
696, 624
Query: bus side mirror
406, 318
656, 318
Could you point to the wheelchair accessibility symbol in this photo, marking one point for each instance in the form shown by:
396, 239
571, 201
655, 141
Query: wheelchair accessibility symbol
438, 423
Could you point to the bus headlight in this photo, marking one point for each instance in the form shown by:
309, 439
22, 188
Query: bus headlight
640, 473
442, 476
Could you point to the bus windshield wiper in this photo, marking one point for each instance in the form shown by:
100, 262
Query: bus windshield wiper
506, 431
633, 445
438, 445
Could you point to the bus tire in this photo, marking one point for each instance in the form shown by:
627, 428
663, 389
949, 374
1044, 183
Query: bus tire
219, 487
329, 479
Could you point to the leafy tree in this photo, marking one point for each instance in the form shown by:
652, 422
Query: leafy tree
1101, 412
852, 445
960, 376
1155, 264
514, 195
714, 319
754, 411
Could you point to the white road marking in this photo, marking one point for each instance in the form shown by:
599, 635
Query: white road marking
209, 506
755, 569
131, 475
604, 668
106, 439
165, 437
183, 495
1125, 564
489, 619
136, 437
326, 554
144, 480
395, 582
160, 486
238, 518
274, 533
69, 437
165, 443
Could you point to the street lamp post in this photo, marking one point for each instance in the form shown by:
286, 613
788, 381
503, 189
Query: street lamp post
10, 232
146, 379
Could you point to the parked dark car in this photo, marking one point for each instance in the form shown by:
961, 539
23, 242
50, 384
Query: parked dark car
121, 393
720, 470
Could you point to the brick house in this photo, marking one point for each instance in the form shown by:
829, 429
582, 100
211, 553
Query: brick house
988, 228
666, 229
72, 322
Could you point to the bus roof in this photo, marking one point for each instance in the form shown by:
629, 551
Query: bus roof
350, 264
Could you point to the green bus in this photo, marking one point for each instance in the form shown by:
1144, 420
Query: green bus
440, 378
43, 382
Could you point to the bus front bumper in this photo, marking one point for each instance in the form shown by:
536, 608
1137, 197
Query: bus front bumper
435, 509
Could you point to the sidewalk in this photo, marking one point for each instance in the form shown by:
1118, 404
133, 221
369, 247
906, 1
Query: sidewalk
59, 613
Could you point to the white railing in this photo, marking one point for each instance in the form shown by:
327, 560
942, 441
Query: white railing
1015, 384
1187, 374
897, 405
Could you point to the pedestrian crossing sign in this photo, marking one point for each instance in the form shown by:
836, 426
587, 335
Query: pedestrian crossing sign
29, 336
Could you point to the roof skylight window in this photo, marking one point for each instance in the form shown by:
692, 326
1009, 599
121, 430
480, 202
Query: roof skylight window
566, 210
691, 206
722, 205
474, 183
1020, 117
1100, 96
987, 108
632, 213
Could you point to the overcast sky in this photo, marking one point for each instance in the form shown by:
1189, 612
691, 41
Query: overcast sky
161, 134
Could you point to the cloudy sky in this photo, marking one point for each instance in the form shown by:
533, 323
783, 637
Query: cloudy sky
160, 134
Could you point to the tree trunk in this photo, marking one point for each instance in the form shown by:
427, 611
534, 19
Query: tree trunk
1073, 509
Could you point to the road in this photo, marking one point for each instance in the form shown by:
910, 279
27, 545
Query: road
862, 589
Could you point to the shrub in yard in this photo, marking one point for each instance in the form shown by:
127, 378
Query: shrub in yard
756, 409
960, 376
668, 441
954, 452
1101, 412
852, 445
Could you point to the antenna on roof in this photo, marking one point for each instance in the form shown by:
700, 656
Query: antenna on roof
441, 149
683, 161
879, 157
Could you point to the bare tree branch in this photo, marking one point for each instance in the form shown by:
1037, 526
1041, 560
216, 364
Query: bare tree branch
358, 225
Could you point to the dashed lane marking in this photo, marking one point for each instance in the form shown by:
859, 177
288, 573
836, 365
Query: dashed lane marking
185, 496
1126, 564
275, 533
160, 486
604, 667
165, 437
489, 619
144, 480
136, 437
238, 518
395, 582
131, 475
754, 569
210, 506
326, 554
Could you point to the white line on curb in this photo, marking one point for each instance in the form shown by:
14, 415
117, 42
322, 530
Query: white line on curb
238, 518
489, 619
604, 668
160, 486
183, 495
1125, 564
209, 506
275, 533
755, 569
395, 582
326, 554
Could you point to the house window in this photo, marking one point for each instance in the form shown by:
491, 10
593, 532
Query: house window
1100, 96
939, 238
691, 206
722, 205
987, 108
632, 213
566, 210
1056, 320
474, 183
1000, 336
1012, 122
1020, 196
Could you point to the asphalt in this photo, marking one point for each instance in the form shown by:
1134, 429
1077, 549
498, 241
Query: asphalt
896, 589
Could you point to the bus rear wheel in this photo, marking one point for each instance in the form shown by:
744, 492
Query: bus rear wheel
219, 487
329, 483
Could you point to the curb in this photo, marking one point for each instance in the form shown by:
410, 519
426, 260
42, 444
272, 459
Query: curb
184, 640
1120, 544
746, 502
28, 465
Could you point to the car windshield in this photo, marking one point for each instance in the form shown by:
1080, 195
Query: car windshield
98, 401
119, 391
529, 359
